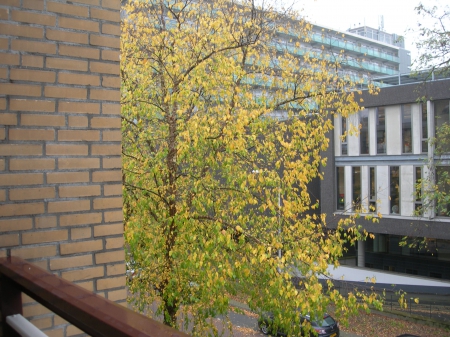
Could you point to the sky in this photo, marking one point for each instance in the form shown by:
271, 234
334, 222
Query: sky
399, 16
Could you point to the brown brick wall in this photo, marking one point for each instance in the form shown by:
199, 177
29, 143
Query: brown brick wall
60, 145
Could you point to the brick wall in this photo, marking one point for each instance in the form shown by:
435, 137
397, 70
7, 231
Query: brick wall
60, 145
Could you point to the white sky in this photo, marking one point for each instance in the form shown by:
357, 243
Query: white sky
399, 15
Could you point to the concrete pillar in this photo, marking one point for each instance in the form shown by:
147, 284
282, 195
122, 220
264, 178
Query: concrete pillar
361, 253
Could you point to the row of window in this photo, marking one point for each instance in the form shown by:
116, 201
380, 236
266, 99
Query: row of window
407, 132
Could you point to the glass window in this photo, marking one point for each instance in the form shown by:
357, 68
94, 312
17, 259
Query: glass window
340, 188
372, 190
381, 130
406, 129
394, 196
344, 136
364, 132
443, 188
356, 185
418, 190
441, 115
424, 128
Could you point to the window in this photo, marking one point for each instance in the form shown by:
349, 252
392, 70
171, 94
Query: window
394, 196
418, 190
356, 186
443, 187
372, 190
340, 188
406, 129
381, 130
441, 115
344, 136
364, 132
424, 128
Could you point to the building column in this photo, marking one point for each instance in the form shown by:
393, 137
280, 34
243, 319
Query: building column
361, 253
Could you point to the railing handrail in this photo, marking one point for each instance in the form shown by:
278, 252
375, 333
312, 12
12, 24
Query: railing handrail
95, 315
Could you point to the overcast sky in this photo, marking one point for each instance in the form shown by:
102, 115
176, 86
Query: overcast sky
399, 15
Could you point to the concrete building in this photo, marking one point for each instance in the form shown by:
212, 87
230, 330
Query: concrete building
378, 169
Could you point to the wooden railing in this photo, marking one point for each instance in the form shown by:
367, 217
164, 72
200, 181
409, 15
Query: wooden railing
89, 312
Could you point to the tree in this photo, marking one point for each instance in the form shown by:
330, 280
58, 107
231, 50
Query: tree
434, 43
224, 118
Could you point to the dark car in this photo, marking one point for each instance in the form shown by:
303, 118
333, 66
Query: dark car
325, 327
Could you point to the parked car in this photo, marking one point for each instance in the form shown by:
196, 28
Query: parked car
325, 327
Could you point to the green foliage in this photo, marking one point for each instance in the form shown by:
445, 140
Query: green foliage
214, 185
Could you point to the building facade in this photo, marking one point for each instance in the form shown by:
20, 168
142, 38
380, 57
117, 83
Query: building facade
378, 159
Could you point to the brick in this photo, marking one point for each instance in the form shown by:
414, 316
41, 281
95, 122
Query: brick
108, 150
111, 136
34, 46
34, 252
69, 150
62, 63
35, 309
16, 179
10, 59
80, 219
117, 295
106, 68
81, 233
32, 75
29, 17
20, 89
12, 3
78, 135
3, 73
31, 105
113, 216
78, 107
32, 193
78, 24
105, 203
102, 176
71, 10
8, 119
42, 120
8, 240
31, 164
81, 247
110, 109
113, 4
115, 189
105, 95
105, 230
106, 122
2, 164
78, 163
113, 243
110, 29
112, 163
111, 81
3, 107
80, 79
72, 330
17, 209
68, 206
19, 224
2, 195
20, 150
115, 269
42, 323
55, 332
45, 222
45, 236
67, 177
64, 36
105, 15
2, 133
88, 285
65, 92
31, 134
72, 262
21, 30
89, 2
79, 191
111, 55
3, 43
3, 14
78, 122
111, 282
33, 4
32, 61
104, 41
74, 51
107, 257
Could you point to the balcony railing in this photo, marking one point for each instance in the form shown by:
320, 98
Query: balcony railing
89, 312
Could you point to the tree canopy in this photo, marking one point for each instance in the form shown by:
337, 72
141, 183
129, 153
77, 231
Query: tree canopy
224, 119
